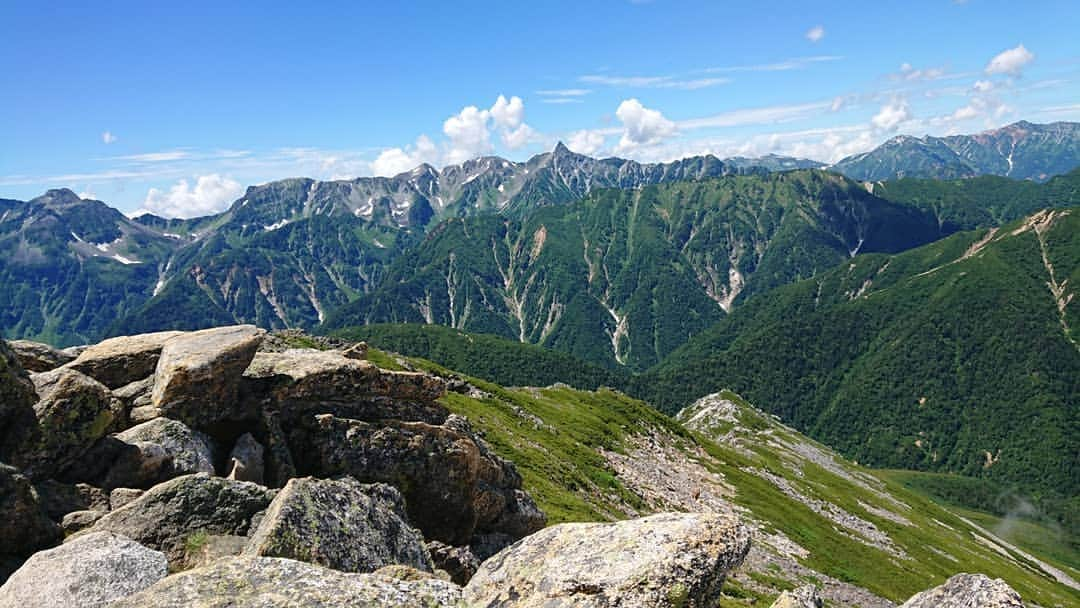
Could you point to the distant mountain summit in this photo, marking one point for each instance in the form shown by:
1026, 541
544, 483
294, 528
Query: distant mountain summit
1022, 150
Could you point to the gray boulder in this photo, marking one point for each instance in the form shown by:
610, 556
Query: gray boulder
77, 521
171, 513
73, 412
968, 591
91, 571
459, 562
119, 361
665, 560
18, 424
197, 378
38, 357
58, 499
246, 460
342, 524
122, 496
803, 597
189, 451
269, 582
24, 525
304, 381
454, 486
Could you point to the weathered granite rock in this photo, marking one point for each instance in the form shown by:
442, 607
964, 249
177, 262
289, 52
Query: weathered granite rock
670, 559
968, 591
269, 582
119, 361
80, 520
453, 485
18, 424
356, 351
341, 524
139, 464
24, 525
279, 466
122, 496
301, 381
189, 451
135, 395
91, 571
38, 357
803, 597
168, 514
459, 562
208, 548
58, 499
73, 412
246, 460
198, 375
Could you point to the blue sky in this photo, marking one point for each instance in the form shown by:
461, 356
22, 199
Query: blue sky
175, 107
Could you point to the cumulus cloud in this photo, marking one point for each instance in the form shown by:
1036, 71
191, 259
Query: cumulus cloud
815, 34
1010, 61
208, 194
468, 133
107, 137
891, 115
399, 160
641, 126
585, 141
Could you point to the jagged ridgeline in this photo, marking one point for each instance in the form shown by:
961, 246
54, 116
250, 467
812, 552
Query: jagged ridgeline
959, 356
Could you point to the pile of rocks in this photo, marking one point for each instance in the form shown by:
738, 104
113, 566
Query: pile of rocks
197, 469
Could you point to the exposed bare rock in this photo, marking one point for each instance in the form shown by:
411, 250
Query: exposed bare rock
968, 591
669, 559
356, 351
24, 525
803, 597
341, 524
80, 520
246, 460
303, 381
167, 515
269, 582
459, 562
205, 549
38, 357
119, 361
58, 499
89, 572
136, 395
453, 484
17, 421
198, 375
73, 412
190, 451
122, 496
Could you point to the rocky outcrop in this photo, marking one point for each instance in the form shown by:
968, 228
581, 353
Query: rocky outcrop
91, 571
267, 582
58, 499
301, 382
188, 451
37, 357
25, 527
17, 397
73, 412
454, 486
169, 514
459, 562
120, 361
968, 591
197, 378
670, 559
341, 524
803, 597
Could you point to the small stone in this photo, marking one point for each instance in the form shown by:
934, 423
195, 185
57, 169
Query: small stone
968, 591
803, 597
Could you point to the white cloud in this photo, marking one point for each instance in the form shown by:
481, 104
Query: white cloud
815, 34
1010, 61
508, 114
153, 157
763, 115
468, 133
796, 63
107, 137
586, 141
891, 115
983, 86
519, 137
641, 126
209, 194
910, 73
393, 161
564, 92
965, 113
654, 82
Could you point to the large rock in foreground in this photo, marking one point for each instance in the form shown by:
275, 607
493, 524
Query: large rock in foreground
119, 361
341, 524
454, 486
666, 560
91, 571
268, 582
73, 412
198, 375
17, 397
968, 591
169, 515
37, 357
24, 525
